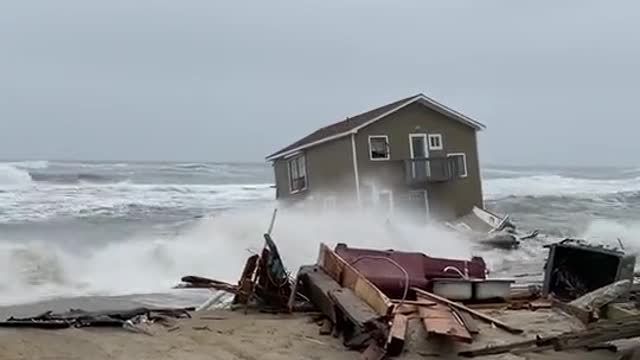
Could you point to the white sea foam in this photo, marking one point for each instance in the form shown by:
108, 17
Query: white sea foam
556, 185
45, 201
215, 247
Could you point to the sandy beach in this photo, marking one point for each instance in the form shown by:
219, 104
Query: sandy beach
228, 335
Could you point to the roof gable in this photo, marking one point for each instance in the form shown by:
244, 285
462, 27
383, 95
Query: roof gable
353, 124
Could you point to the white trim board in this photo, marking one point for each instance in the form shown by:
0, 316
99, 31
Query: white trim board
464, 160
306, 178
424, 100
435, 136
356, 173
386, 140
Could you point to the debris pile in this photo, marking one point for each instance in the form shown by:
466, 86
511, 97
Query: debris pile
373, 299
133, 319
489, 229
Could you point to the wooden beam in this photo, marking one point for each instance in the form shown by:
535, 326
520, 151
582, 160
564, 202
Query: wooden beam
397, 334
433, 297
318, 286
353, 307
347, 276
440, 320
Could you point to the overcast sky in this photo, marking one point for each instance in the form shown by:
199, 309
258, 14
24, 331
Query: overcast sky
556, 82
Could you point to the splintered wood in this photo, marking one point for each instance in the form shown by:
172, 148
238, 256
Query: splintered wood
397, 334
441, 320
433, 297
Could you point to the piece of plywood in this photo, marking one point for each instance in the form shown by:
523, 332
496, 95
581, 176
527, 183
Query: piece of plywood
440, 320
347, 276
433, 297
397, 334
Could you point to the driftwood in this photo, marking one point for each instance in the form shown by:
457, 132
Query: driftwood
433, 297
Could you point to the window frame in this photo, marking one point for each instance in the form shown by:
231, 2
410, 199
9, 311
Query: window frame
386, 140
435, 136
290, 161
464, 161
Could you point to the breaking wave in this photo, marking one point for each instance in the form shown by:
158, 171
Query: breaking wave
12, 175
215, 247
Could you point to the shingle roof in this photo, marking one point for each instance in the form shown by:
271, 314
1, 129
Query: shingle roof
353, 123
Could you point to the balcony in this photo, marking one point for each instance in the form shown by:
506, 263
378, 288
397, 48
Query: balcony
419, 171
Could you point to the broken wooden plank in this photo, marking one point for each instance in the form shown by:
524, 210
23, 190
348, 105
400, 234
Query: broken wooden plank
585, 316
620, 311
420, 302
599, 333
318, 285
429, 296
397, 333
354, 308
468, 321
373, 352
498, 349
440, 320
347, 276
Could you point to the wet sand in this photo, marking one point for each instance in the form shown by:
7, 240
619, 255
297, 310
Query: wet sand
227, 335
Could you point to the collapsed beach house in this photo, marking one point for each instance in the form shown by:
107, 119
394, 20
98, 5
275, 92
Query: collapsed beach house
414, 156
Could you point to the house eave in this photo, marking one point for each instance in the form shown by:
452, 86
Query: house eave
426, 101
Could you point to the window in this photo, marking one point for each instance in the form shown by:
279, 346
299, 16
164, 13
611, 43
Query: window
435, 142
297, 174
459, 164
379, 147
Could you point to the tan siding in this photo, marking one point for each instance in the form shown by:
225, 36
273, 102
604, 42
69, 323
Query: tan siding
446, 199
329, 172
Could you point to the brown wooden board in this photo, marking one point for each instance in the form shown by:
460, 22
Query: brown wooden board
353, 307
468, 321
398, 331
347, 276
440, 320
433, 297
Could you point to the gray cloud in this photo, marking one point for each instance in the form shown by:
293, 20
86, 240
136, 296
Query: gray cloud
210, 80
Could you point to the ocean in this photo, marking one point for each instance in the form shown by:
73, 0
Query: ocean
129, 231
